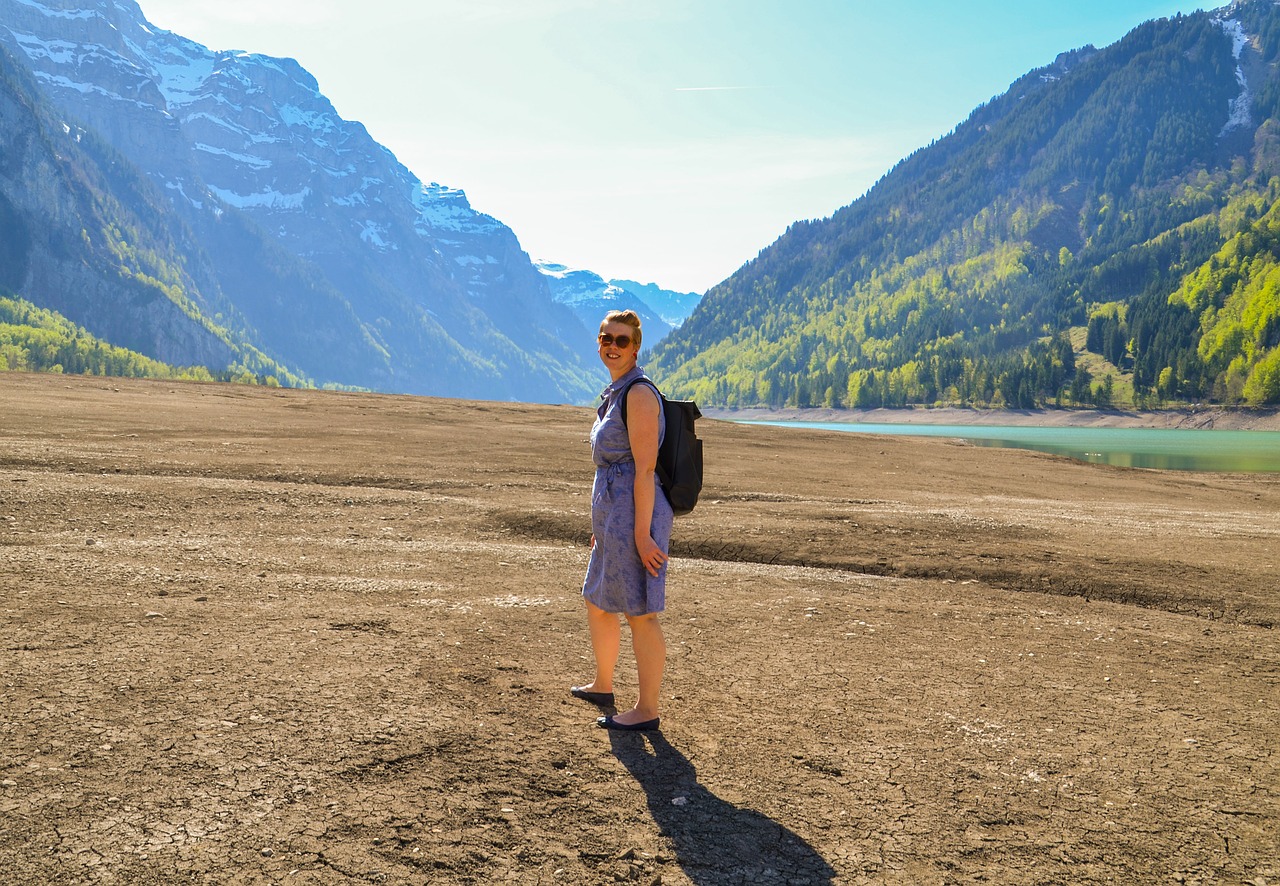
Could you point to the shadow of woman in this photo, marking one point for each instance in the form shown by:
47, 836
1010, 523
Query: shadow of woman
716, 843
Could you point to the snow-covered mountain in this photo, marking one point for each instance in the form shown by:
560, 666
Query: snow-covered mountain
591, 297
330, 254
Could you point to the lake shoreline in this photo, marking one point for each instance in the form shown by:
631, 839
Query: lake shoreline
1206, 418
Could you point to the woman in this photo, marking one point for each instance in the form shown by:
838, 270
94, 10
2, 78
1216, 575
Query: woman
630, 529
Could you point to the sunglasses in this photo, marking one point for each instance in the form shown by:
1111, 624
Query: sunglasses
623, 341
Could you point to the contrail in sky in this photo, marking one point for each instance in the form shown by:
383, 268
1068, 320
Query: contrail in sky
717, 88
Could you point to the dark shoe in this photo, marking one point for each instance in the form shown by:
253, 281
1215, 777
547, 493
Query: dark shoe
604, 699
610, 723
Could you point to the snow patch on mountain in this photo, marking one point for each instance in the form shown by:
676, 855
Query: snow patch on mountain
59, 13
1240, 115
262, 199
182, 75
576, 285
442, 208
316, 121
247, 159
177, 188
59, 52
375, 235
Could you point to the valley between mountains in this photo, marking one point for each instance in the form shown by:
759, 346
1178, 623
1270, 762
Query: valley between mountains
255, 635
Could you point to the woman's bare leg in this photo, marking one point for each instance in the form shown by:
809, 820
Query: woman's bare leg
606, 641
651, 658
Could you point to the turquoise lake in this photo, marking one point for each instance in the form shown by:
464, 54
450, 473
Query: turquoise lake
1166, 449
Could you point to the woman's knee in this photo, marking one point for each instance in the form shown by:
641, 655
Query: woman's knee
595, 613
648, 620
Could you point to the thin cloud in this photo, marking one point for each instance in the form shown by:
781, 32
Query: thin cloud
718, 88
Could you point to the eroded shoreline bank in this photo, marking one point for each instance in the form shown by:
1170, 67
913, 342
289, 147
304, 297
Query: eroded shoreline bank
1214, 417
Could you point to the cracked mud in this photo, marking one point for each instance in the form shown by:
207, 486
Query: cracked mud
256, 636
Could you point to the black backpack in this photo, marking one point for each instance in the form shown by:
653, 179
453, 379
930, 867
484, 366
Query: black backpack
679, 465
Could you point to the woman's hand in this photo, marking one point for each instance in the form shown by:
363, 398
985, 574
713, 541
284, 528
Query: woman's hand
650, 554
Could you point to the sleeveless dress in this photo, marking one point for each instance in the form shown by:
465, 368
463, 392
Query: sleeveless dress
616, 579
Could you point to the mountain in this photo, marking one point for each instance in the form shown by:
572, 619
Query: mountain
82, 227
1116, 209
673, 307
307, 237
588, 295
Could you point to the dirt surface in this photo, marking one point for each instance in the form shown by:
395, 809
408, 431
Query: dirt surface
254, 636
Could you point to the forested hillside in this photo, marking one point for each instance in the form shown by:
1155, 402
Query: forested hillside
1124, 199
35, 340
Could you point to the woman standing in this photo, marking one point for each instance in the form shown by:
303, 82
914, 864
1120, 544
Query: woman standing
630, 526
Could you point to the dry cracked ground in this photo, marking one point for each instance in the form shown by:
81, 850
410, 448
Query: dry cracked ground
261, 636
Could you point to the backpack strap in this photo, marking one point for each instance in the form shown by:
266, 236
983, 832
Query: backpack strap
664, 476
627, 389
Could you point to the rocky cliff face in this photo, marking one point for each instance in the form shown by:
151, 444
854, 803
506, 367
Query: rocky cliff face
339, 259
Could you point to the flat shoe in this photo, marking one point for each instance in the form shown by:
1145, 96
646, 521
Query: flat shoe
610, 723
604, 699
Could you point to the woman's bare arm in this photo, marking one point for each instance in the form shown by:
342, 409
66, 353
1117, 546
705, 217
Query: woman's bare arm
642, 430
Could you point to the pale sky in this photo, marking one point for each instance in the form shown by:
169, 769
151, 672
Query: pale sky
664, 141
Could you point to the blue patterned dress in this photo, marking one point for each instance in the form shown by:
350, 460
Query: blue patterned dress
616, 579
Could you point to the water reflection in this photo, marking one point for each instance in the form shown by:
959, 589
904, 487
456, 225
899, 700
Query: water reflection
716, 842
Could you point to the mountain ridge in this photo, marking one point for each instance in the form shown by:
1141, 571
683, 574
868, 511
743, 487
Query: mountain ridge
1091, 187
339, 259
